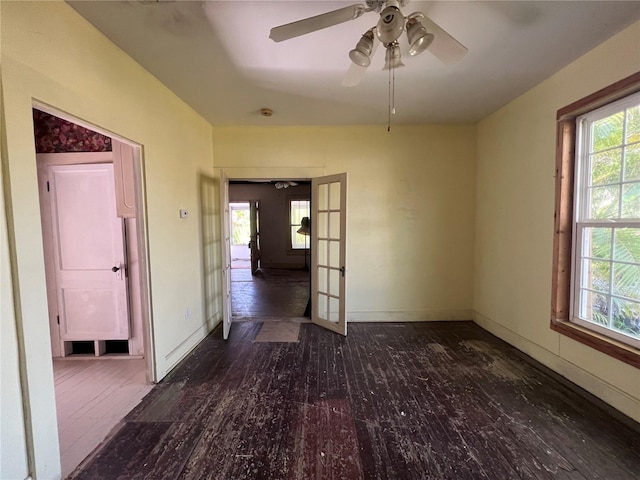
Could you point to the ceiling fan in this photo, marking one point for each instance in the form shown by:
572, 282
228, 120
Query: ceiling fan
285, 184
422, 34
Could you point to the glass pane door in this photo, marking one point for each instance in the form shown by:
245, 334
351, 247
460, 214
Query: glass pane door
328, 239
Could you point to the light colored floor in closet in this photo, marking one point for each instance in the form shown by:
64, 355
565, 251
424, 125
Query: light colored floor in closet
92, 396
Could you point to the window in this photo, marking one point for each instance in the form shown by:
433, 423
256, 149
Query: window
606, 290
298, 209
596, 264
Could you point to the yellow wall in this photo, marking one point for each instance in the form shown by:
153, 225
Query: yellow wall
11, 409
52, 55
410, 207
514, 222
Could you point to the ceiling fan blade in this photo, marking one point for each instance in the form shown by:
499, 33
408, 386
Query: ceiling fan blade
356, 72
444, 47
311, 24
354, 75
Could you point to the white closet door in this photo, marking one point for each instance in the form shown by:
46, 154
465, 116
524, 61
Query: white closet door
89, 253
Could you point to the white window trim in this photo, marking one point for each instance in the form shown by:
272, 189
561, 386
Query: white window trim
581, 178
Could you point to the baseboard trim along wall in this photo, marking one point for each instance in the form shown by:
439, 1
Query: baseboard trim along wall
603, 390
410, 316
176, 355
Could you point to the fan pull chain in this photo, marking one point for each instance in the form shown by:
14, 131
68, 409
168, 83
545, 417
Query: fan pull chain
393, 93
389, 104
392, 97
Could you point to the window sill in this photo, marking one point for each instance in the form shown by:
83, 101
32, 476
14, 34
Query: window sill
617, 350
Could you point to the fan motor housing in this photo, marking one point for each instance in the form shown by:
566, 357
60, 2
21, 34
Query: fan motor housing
391, 25
378, 5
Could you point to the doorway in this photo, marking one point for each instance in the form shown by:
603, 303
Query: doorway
95, 252
265, 216
240, 235
326, 300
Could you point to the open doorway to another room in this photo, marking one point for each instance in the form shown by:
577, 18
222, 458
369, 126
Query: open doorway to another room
95, 255
277, 283
240, 235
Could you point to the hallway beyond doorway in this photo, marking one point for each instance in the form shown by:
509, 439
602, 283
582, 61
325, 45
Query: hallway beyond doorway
271, 293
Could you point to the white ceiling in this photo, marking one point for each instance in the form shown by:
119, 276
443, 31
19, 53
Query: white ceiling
217, 56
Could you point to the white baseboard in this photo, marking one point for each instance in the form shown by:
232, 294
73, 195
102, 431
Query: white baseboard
410, 316
618, 399
176, 355
214, 320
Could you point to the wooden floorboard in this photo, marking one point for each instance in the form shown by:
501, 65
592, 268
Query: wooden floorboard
92, 397
269, 293
390, 401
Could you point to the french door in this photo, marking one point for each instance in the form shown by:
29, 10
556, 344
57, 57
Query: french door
225, 233
328, 247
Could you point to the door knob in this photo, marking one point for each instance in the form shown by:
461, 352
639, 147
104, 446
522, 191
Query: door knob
115, 269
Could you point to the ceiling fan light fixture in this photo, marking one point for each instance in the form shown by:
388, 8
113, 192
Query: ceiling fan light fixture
361, 55
391, 24
392, 58
418, 37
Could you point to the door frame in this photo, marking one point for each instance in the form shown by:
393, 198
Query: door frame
141, 237
266, 179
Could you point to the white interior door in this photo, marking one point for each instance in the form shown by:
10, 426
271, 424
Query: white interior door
328, 245
225, 232
89, 253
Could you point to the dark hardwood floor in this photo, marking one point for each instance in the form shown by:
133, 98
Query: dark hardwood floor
390, 401
271, 293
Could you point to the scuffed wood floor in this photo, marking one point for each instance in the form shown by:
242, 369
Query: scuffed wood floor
270, 293
390, 401
92, 396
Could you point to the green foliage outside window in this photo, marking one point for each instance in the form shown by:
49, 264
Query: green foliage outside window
240, 227
611, 269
